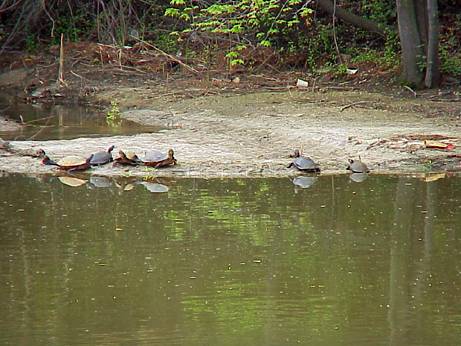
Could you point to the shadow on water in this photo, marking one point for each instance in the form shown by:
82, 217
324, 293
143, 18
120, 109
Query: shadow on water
240, 261
45, 121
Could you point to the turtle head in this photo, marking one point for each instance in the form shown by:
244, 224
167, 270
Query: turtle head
351, 161
47, 161
89, 159
109, 150
171, 154
40, 153
296, 153
121, 154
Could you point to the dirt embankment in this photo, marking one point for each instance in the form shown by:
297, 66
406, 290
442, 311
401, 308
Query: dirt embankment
252, 134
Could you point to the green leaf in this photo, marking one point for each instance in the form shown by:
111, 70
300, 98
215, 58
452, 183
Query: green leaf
232, 54
265, 43
236, 62
306, 12
171, 12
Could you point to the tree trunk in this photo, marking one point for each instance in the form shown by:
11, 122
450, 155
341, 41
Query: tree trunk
419, 38
433, 63
412, 50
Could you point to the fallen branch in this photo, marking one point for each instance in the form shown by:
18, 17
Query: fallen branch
352, 105
411, 90
187, 67
61, 82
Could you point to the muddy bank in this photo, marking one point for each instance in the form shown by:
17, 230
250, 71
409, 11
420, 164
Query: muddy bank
253, 134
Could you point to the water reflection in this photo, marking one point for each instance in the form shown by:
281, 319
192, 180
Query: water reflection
230, 262
358, 177
47, 121
304, 182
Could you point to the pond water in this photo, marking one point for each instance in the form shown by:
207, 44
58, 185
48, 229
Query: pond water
227, 262
44, 122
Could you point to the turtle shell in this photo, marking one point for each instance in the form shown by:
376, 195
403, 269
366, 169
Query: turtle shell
357, 166
154, 156
305, 163
102, 157
158, 159
131, 155
71, 161
127, 158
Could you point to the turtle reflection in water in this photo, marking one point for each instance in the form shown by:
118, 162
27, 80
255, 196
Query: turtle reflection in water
154, 187
100, 182
304, 163
304, 182
72, 182
358, 177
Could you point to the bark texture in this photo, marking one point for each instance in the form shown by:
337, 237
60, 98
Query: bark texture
348, 17
432, 78
419, 38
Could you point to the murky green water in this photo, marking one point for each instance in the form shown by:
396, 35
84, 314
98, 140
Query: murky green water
43, 122
231, 262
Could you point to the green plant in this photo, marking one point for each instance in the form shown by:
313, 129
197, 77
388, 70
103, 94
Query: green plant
450, 63
113, 116
31, 43
266, 22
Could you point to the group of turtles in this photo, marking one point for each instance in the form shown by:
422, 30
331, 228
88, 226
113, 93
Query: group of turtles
306, 164
158, 159
72, 163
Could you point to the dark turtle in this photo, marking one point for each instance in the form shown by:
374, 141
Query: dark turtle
102, 157
69, 163
158, 159
128, 158
357, 166
303, 163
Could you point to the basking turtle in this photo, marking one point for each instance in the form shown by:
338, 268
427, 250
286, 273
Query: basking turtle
69, 163
102, 157
128, 158
158, 159
303, 163
357, 166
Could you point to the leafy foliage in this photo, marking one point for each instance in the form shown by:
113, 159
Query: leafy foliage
264, 22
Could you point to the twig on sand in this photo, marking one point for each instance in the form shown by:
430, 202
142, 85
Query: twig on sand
352, 105
187, 67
